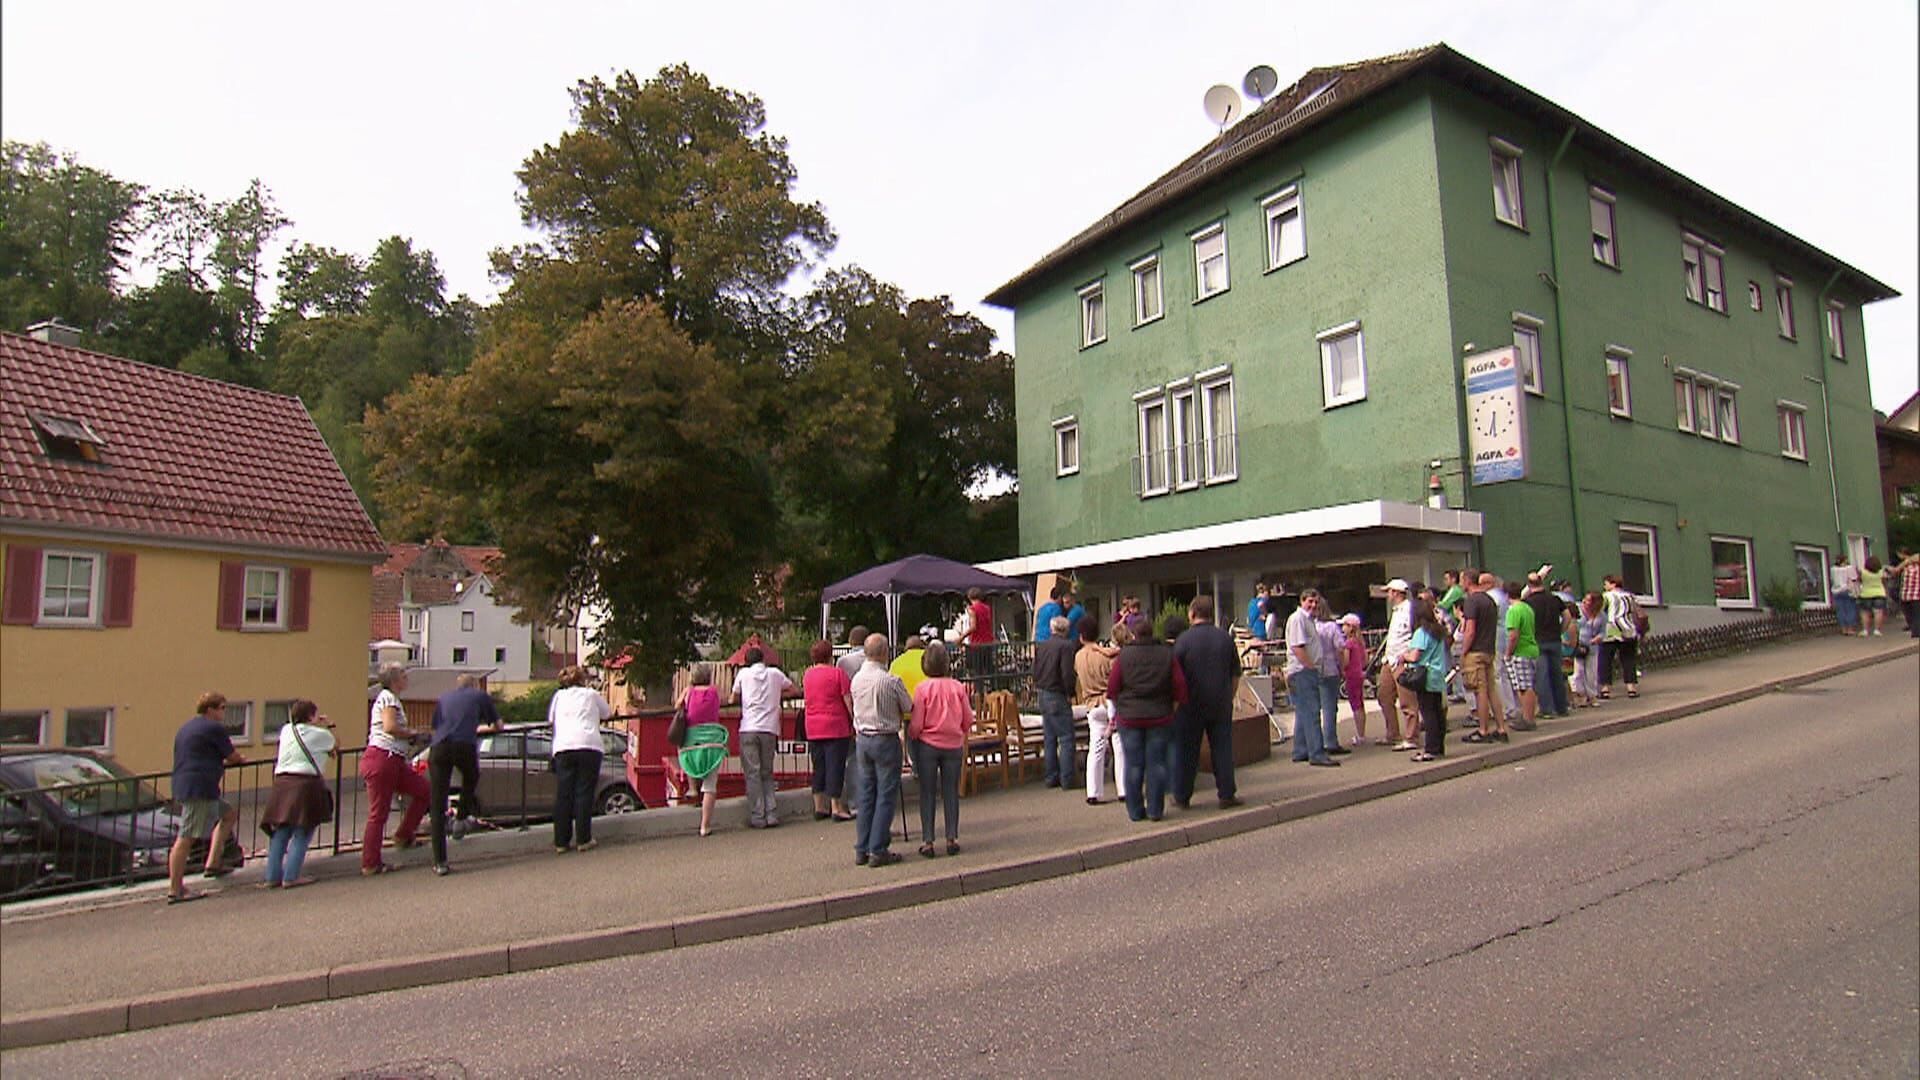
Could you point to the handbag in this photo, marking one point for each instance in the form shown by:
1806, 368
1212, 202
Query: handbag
311, 760
677, 731
1412, 676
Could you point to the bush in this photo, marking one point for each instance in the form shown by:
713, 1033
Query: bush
528, 708
1781, 595
1168, 612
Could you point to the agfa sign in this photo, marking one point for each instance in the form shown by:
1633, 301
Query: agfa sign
1496, 417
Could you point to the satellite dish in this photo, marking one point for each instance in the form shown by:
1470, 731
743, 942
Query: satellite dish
1222, 105
1260, 83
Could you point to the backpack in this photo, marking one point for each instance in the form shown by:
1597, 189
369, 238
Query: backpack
1641, 624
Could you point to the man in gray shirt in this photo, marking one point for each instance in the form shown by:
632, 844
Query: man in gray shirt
1303, 680
881, 706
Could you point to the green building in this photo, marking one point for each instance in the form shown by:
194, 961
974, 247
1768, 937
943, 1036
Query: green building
1255, 368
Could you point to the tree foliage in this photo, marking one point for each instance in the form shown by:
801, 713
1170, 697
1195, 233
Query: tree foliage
242, 230
607, 460
669, 190
66, 237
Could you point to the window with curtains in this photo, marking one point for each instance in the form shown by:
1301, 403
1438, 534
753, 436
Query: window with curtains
1600, 208
1210, 260
1509, 202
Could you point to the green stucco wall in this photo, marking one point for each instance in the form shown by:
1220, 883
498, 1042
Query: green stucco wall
1644, 470
1368, 189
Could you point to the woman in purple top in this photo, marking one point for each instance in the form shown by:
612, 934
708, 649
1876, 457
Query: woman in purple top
829, 696
702, 702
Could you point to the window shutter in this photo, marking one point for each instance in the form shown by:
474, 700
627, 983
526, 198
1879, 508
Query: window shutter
119, 607
301, 599
21, 604
233, 588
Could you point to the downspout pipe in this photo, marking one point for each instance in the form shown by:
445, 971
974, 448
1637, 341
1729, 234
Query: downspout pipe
1560, 358
1826, 413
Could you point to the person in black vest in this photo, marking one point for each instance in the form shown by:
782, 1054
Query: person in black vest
1212, 669
1145, 686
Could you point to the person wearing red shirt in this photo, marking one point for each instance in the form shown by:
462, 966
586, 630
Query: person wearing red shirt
979, 634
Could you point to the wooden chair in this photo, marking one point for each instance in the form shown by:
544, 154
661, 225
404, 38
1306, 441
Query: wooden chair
1023, 745
986, 747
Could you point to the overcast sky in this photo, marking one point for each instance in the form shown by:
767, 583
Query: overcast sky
952, 145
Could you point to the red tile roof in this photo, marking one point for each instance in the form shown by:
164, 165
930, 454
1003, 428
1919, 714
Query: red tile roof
183, 458
476, 559
407, 578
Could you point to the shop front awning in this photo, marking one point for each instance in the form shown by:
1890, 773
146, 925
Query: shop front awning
1294, 525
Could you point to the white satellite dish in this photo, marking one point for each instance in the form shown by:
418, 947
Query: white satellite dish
1222, 105
1260, 83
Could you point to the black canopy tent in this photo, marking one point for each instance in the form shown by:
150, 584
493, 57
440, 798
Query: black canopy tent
917, 575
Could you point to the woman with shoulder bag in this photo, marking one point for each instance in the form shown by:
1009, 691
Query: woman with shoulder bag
1425, 673
699, 704
300, 802
1621, 638
1589, 624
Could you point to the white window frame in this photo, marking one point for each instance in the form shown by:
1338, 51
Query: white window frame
268, 729
1508, 181
1652, 536
1284, 213
1618, 358
1753, 590
1219, 467
1146, 271
1824, 577
1526, 329
1753, 296
1066, 430
1093, 314
1726, 399
1783, 303
1328, 339
1206, 236
1683, 412
40, 736
106, 735
1145, 404
413, 621
1793, 429
499, 654
1184, 417
1601, 202
1705, 266
96, 583
1706, 407
459, 654
245, 709
248, 621
1837, 329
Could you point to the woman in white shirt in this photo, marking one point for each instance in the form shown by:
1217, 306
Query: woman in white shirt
299, 803
387, 772
576, 713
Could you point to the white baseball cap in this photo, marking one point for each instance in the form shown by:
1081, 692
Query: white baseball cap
1397, 585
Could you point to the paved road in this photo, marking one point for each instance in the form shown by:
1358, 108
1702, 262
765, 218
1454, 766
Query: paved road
1736, 893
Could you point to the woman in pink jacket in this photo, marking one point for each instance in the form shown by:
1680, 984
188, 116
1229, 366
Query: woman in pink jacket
937, 736
1353, 671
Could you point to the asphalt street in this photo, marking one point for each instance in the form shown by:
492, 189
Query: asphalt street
1736, 893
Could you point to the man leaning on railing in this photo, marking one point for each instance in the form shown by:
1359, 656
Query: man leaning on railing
201, 750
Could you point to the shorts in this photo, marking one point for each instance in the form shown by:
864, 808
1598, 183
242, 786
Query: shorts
706, 785
1873, 603
199, 816
1476, 670
1520, 672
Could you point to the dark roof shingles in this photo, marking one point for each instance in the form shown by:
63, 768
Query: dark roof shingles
185, 457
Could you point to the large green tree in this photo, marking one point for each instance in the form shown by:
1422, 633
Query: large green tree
894, 411
609, 462
243, 228
66, 237
669, 190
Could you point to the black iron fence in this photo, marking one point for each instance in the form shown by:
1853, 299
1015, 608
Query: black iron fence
95, 825
1676, 646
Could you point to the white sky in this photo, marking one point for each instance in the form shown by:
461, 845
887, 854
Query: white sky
952, 146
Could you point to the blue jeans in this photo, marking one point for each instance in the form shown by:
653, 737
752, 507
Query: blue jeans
1056, 723
1330, 687
876, 766
1550, 679
1303, 687
287, 853
1148, 750
1846, 609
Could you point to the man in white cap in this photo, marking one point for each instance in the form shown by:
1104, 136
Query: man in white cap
1394, 703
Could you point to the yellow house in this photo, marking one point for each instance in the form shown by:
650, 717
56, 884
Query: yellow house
161, 535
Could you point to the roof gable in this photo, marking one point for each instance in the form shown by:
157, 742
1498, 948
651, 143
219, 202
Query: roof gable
181, 457
1327, 92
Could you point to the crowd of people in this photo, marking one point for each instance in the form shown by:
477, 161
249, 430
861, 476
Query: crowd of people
1513, 651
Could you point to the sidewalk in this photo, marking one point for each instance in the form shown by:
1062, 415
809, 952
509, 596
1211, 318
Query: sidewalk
121, 959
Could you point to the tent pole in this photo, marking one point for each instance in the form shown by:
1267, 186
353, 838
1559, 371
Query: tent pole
824, 605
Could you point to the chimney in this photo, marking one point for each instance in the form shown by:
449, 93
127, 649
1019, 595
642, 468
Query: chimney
55, 332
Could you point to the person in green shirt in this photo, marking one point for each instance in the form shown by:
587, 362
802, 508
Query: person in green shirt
1523, 648
1451, 599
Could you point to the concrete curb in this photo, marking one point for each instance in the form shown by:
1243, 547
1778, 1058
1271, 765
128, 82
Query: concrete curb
374, 976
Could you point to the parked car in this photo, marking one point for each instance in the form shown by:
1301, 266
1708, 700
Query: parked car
516, 774
70, 818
